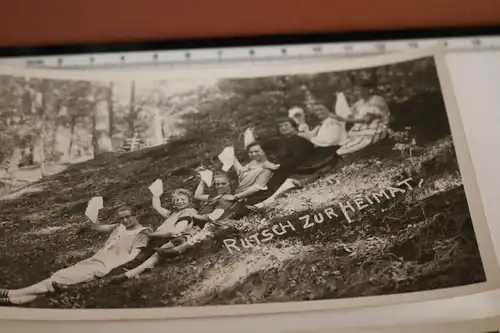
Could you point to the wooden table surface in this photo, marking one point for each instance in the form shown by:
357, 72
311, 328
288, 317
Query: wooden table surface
79, 21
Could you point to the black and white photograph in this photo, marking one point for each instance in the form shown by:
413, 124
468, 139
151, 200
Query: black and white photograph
251, 189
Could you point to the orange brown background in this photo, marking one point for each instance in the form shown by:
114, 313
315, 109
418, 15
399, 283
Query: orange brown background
32, 22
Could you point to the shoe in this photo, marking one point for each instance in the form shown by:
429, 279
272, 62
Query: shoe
252, 208
5, 301
116, 279
60, 287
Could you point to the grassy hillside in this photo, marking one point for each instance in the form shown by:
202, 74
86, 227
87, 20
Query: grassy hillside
421, 239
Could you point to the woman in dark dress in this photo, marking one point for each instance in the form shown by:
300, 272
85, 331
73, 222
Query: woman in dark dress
300, 162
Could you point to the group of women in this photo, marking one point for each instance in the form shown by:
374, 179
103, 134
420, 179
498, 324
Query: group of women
305, 155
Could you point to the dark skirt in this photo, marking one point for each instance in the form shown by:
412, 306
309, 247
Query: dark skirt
149, 250
322, 162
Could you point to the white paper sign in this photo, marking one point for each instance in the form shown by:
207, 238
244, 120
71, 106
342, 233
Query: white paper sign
227, 158
207, 177
156, 188
93, 207
341, 106
248, 137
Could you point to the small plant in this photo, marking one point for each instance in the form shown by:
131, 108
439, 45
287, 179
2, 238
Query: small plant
405, 144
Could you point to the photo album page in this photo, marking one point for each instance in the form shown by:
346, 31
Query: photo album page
237, 190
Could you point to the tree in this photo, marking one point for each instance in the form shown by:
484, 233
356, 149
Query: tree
79, 103
111, 109
133, 111
42, 114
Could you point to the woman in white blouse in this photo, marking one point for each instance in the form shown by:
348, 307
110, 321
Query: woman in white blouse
370, 116
329, 133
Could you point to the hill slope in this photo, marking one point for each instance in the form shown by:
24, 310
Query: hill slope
420, 239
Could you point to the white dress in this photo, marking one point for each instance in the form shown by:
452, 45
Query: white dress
363, 135
330, 132
121, 247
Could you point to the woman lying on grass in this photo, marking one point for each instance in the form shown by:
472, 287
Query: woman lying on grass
218, 204
331, 131
252, 180
124, 244
300, 162
181, 230
370, 116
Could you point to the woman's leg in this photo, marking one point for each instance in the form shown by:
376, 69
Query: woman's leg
362, 139
19, 300
288, 185
83, 271
25, 295
148, 264
39, 288
355, 144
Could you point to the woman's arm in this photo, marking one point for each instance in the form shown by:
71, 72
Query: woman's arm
378, 109
157, 206
248, 192
104, 228
259, 185
330, 134
339, 118
215, 215
201, 217
160, 234
270, 165
237, 165
178, 228
199, 193
362, 120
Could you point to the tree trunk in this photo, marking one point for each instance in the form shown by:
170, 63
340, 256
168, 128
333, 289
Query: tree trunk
132, 110
14, 160
71, 135
157, 126
57, 128
111, 110
95, 139
42, 147
163, 133
43, 113
57, 125
104, 142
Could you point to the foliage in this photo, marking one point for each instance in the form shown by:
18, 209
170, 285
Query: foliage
410, 88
